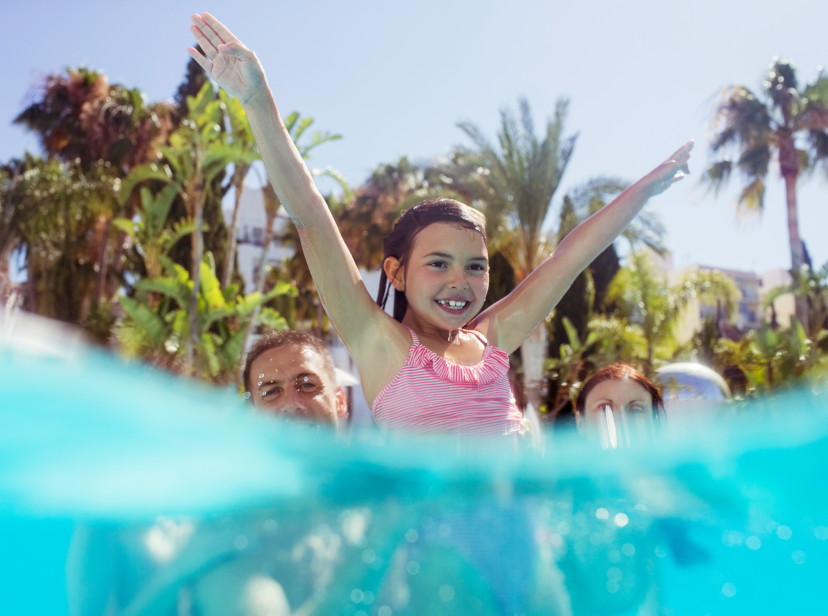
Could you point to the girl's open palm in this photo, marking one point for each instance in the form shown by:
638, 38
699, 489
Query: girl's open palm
229, 63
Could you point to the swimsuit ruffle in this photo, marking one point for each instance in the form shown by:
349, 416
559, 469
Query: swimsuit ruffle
493, 366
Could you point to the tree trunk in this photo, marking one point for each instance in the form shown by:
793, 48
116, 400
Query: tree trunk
193, 362
260, 279
230, 257
103, 244
533, 354
797, 254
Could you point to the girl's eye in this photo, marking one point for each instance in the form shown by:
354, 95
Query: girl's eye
478, 267
438, 264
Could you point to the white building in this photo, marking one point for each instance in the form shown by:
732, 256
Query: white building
750, 312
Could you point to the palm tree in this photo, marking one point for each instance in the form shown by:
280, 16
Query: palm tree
643, 297
149, 231
197, 152
99, 128
750, 129
242, 136
514, 183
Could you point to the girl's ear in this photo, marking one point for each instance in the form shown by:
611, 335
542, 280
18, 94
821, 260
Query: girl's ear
395, 273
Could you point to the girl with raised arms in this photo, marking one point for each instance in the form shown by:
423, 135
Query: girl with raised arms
436, 366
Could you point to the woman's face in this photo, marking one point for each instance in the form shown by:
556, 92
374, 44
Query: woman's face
619, 394
446, 276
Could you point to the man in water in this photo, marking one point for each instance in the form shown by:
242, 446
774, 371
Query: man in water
292, 373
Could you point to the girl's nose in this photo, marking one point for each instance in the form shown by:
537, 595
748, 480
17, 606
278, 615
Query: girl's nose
458, 280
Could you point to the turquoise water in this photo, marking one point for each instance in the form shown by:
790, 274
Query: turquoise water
123, 491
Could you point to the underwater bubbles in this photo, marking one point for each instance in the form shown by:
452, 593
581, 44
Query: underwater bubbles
729, 589
799, 557
446, 593
246, 395
784, 533
602, 514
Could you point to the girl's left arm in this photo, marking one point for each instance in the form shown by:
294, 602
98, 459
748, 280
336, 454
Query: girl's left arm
510, 321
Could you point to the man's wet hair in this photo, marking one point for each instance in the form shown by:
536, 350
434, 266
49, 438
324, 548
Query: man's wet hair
276, 340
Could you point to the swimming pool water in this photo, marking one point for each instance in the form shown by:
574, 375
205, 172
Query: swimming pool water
129, 491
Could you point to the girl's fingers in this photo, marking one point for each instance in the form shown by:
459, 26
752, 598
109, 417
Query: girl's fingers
204, 42
219, 28
683, 153
207, 30
202, 61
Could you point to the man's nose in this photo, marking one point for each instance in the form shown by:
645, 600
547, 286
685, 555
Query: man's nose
292, 401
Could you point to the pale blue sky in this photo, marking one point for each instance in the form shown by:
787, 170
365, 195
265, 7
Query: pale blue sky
394, 78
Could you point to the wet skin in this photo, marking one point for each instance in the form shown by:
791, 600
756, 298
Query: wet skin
446, 264
618, 394
295, 383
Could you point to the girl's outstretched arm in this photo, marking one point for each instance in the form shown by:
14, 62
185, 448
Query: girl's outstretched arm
366, 330
510, 321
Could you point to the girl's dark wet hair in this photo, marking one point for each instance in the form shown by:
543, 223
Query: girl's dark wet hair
399, 242
619, 372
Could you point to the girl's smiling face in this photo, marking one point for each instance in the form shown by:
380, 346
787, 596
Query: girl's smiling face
446, 275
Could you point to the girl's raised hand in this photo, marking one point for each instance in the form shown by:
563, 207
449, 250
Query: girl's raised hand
229, 63
669, 172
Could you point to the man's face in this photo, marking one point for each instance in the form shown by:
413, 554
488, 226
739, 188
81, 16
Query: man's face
292, 380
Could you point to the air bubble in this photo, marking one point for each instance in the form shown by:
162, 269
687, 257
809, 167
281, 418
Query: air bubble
261, 376
246, 395
306, 378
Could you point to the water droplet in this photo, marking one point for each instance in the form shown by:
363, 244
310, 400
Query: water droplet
413, 567
628, 549
821, 533
784, 533
260, 382
368, 597
621, 519
729, 589
799, 557
446, 593
602, 514
384, 611
368, 556
411, 535
444, 530
753, 542
270, 526
563, 528
306, 378
246, 395
612, 587
356, 595
261, 376
240, 542
614, 574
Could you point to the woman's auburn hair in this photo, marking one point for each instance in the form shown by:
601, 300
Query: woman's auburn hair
398, 243
619, 372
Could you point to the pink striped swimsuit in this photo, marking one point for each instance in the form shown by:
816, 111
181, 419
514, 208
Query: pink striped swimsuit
432, 395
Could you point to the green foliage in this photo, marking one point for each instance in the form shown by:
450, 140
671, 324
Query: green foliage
642, 296
148, 330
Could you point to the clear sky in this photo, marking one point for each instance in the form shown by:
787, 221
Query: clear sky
394, 78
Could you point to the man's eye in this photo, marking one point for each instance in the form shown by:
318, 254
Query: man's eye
272, 392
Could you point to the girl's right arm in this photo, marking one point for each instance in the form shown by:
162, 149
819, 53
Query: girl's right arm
367, 331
